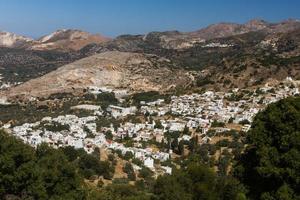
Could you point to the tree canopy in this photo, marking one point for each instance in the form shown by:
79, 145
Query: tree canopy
45, 173
270, 166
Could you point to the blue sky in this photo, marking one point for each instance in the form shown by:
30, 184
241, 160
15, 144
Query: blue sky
115, 17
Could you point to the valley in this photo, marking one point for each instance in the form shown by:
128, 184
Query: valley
145, 113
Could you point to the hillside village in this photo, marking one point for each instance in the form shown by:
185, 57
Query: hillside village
149, 100
191, 115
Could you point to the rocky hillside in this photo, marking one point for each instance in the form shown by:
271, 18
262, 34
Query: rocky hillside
227, 55
222, 30
119, 70
62, 40
22, 59
67, 39
180, 40
248, 60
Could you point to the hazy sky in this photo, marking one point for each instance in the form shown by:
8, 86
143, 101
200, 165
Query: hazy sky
114, 17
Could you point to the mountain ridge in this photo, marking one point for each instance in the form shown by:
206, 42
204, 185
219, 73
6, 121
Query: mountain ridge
66, 39
63, 40
241, 60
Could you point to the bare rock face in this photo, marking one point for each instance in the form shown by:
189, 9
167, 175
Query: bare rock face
113, 69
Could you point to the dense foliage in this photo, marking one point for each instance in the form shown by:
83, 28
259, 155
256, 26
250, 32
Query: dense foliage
270, 167
197, 181
44, 173
88, 165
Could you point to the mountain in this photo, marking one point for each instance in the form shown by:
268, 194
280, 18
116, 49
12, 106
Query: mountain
116, 70
8, 39
242, 60
61, 40
170, 40
223, 55
73, 40
248, 59
67, 39
222, 30
232, 56
22, 58
229, 29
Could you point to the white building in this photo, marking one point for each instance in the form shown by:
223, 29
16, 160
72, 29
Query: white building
117, 111
168, 170
149, 162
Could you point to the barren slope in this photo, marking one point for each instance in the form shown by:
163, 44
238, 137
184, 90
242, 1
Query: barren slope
113, 69
67, 40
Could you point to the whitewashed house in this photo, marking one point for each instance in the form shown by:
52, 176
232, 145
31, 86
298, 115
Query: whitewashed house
149, 162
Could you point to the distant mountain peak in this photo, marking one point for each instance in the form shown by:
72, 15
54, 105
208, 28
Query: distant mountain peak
64, 34
257, 21
8, 39
68, 39
62, 39
256, 24
224, 29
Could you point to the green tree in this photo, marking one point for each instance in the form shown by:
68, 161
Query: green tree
215, 123
128, 155
193, 143
158, 124
128, 169
90, 165
169, 188
181, 147
145, 173
45, 173
186, 131
108, 135
270, 165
